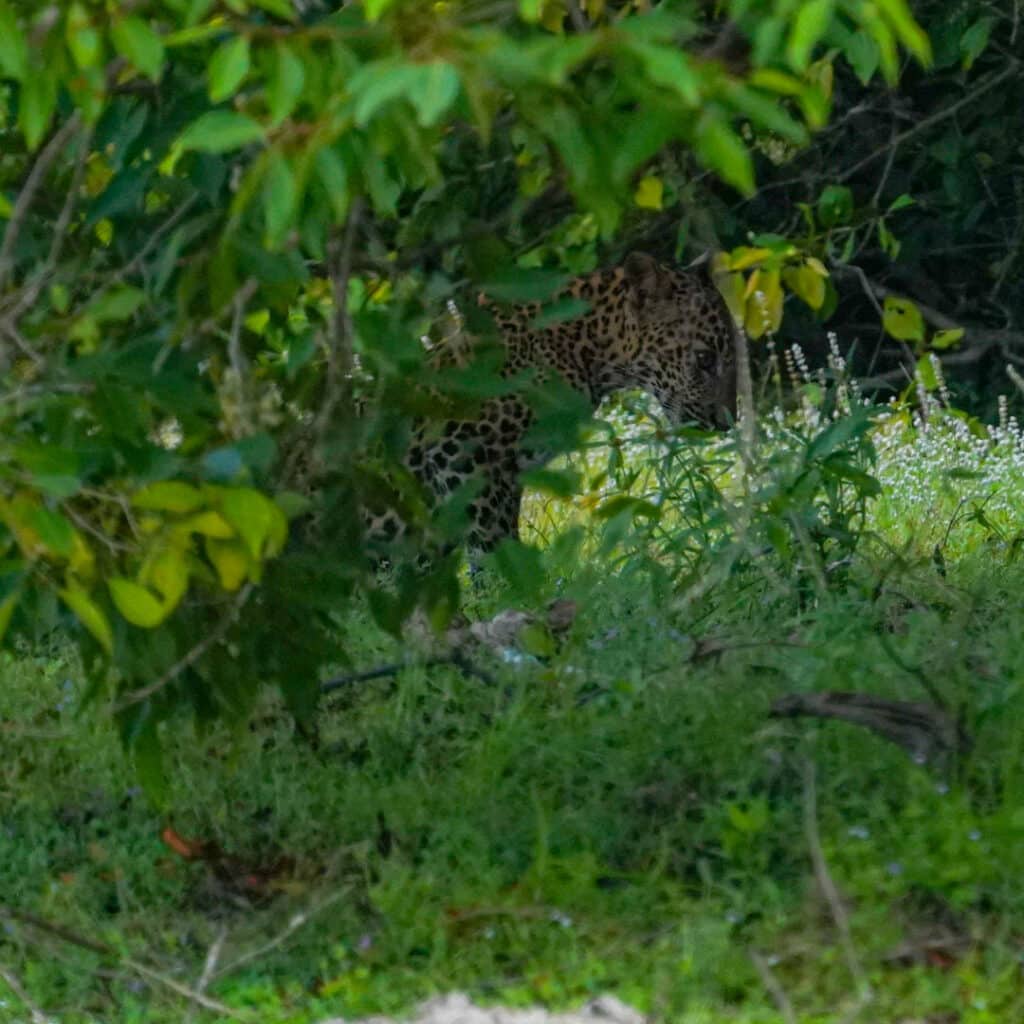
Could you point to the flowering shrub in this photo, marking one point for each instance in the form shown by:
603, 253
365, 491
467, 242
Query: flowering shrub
830, 468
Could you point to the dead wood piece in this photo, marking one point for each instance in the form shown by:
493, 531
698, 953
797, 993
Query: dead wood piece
926, 732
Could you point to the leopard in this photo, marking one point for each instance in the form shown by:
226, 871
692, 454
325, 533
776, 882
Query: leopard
644, 325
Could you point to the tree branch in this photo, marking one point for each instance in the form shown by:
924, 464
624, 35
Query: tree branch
455, 658
579, 20
828, 888
28, 192
12, 982
73, 938
878, 293
339, 341
137, 696
922, 126
295, 922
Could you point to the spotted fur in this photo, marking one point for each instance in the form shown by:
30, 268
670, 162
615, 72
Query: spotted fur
663, 330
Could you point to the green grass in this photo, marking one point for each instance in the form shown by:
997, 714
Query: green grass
624, 817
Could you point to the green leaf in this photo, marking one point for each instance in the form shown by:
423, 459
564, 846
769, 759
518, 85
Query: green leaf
167, 573
835, 206
333, 175
7, 607
888, 53
925, 373
909, 33
135, 40
809, 26
208, 524
52, 469
975, 39
117, 305
523, 284
558, 312
649, 191
522, 566
626, 503
280, 199
259, 522
430, 88
218, 131
90, 615
531, 10
231, 560
13, 49
902, 319
282, 8
136, 603
168, 496
378, 83
287, 79
839, 433
147, 753
948, 338
861, 52
721, 149
840, 468
228, 67
668, 66
84, 41
560, 483
375, 8
55, 532
765, 112
38, 100
805, 282
436, 87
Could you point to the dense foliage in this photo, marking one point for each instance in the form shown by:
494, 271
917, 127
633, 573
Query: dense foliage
232, 232
223, 221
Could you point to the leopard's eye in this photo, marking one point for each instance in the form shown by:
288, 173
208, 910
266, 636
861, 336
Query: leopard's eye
705, 359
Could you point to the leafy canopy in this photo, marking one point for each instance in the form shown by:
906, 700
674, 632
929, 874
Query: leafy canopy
221, 219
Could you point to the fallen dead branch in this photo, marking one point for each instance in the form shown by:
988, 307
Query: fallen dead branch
505, 630
926, 732
73, 938
830, 893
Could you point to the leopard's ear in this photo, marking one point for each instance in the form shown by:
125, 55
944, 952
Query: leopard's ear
703, 264
646, 274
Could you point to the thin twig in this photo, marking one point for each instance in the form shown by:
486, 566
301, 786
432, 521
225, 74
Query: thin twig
913, 670
880, 188
869, 289
23, 346
455, 658
745, 390
236, 357
296, 922
209, 966
101, 949
154, 239
579, 20
31, 292
774, 987
338, 390
829, 891
928, 122
227, 619
979, 335
28, 192
38, 1017
238, 363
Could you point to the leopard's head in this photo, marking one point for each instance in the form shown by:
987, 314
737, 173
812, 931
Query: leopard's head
686, 341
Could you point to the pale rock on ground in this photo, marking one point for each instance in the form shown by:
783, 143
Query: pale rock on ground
456, 1008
